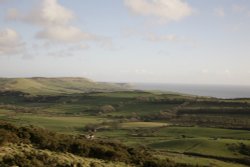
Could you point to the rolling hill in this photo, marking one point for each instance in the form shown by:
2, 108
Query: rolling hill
183, 130
53, 86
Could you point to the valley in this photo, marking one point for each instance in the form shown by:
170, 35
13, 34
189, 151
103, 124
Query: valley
185, 129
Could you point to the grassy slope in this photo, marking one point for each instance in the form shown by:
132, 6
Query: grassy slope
205, 141
54, 158
53, 86
187, 159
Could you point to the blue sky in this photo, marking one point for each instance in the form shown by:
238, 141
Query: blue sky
166, 41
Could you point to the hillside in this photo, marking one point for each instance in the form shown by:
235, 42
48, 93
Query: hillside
186, 130
183, 129
33, 146
17, 154
53, 86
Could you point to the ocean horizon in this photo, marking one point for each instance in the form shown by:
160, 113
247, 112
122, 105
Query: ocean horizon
217, 91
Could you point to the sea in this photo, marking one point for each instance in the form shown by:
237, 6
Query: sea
218, 91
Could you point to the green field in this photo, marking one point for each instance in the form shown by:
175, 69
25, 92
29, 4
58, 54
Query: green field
55, 86
132, 125
166, 123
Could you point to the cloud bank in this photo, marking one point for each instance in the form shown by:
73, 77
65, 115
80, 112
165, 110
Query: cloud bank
10, 42
219, 12
168, 10
55, 21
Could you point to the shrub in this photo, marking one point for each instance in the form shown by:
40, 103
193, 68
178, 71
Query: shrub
107, 108
43, 139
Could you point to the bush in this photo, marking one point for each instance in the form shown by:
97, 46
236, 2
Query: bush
107, 108
80, 146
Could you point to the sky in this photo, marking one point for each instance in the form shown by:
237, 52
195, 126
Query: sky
156, 41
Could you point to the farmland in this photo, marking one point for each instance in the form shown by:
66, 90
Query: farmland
184, 129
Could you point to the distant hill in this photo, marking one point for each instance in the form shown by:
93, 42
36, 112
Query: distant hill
63, 85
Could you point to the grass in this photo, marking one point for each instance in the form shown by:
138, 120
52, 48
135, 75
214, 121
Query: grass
131, 125
204, 132
204, 146
141, 109
60, 159
61, 124
4, 111
186, 159
123, 94
55, 86
71, 113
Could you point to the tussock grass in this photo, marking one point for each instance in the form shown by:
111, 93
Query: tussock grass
10, 152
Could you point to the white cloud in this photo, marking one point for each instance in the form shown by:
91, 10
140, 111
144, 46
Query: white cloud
84, 46
10, 42
48, 12
60, 53
52, 13
137, 72
13, 14
79, 47
131, 32
238, 8
227, 73
106, 42
219, 12
159, 38
55, 21
142, 72
168, 10
64, 34
241, 9
224, 73
170, 38
204, 71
